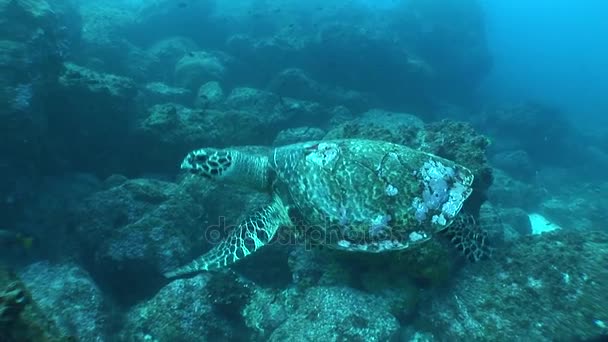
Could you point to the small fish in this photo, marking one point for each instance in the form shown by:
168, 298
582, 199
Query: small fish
14, 239
182, 5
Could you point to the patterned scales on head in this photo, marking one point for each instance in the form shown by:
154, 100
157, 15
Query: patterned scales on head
354, 194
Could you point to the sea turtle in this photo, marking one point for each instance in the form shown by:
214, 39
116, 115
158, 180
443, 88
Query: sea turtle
356, 195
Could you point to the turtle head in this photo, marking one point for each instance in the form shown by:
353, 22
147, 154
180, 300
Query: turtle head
208, 162
229, 165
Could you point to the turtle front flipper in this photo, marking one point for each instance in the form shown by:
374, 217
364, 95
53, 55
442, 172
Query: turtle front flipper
229, 165
251, 235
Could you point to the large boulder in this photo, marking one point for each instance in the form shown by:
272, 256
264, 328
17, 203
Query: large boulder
544, 133
21, 318
36, 37
406, 56
579, 205
137, 230
279, 111
158, 93
165, 53
296, 83
508, 192
85, 109
543, 288
169, 131
324, 313
104, 46
379, 124
336, 313
71, 299
202, 308
450, 37
210, 95
198, 67
298, 134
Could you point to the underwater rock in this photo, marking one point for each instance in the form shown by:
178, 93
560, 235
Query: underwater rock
543, 288
210, 95
103, 33
172, 127
577, 206
70, 298
170, 130
252, 100
517, 219
48, 208
336, 313
197, 67
450, 37
398, 58
138, 230
502, 224
572, 203
393, 277
508, 192
21, 318
86, 82
19, 17
267, 310
261, 58
295, 112
567, 211
317, 267
169, 51
106, 44
86, 109
392, 70
165, 53
296, 83
103, 24
157, 20
156, 93
339, 115
298, 134
11, 52
517, 163
36, 39
544, 133
379, 124
202, 308
142, 228
278, 112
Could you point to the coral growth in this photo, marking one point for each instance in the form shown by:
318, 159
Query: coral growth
21, 319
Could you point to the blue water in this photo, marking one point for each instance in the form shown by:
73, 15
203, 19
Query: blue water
552, 51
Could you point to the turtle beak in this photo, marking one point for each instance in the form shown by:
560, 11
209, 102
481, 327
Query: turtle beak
187, 162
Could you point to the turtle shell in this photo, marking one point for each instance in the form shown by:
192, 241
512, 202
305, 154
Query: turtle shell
367, 195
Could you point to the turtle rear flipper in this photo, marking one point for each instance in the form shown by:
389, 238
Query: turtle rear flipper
251, 235
468, 237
